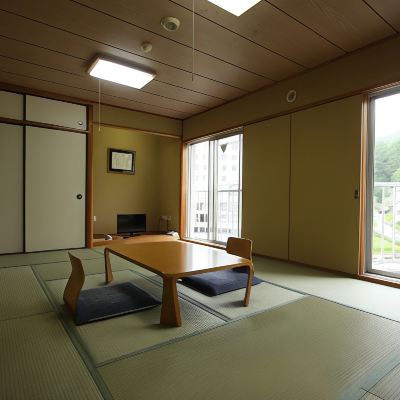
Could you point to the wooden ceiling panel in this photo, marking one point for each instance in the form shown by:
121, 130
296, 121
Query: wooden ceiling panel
14, 78
41, 36
48, 44
181, 94
349, 24
271, 28
72, 17
91, 85
209, 38
46, 58
389, 10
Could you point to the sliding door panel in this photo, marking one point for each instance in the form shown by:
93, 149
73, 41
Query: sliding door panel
266, 164
55, 189
325, 179
11, 105
11, 183
49, 111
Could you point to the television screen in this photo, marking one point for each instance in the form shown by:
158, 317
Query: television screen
131, 223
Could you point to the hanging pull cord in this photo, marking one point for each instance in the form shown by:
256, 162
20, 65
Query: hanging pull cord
99, 104
193, 40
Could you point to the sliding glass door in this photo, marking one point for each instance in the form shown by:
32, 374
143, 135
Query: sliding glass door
383, 185
214, 195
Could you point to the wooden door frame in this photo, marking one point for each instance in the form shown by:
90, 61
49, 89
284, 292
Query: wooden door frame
89, 178
182, 206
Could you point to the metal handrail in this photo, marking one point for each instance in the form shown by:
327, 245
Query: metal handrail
387, 231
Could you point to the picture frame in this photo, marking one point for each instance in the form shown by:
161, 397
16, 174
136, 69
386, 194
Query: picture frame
121, 161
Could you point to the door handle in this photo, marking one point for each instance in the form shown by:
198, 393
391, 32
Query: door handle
79, 196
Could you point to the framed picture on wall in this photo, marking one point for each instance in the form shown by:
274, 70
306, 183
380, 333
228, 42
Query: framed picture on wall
121, 161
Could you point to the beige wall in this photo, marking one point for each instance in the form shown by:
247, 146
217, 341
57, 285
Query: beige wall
368, 68
170, 181
325, 156
266, 164
137, 120
300, 172
153, 190
325, 172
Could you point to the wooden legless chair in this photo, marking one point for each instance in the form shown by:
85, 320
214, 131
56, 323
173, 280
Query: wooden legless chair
74, 284
239, 247
242, 248
104, 302
214, 283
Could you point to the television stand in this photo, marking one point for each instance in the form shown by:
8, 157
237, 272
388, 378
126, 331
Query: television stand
132, 235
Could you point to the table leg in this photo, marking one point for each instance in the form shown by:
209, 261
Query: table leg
170, 313
249, 285
109, 274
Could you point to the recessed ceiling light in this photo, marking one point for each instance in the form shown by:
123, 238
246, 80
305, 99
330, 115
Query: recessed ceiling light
170, 24
123, 74
237, 7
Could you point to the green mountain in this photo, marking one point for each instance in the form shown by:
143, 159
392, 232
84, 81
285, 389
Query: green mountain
387, 159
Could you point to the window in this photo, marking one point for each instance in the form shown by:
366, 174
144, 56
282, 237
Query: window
382, 250
217, 191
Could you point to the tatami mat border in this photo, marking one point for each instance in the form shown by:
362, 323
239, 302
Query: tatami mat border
49, 262
77, 343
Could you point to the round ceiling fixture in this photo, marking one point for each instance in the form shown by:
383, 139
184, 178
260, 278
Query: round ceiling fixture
291, 96
146, 47
170, 24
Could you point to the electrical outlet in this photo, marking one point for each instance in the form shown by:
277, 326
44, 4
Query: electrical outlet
94, 218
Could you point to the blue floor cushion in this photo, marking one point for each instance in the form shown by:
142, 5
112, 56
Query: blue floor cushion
219, 282
111, 301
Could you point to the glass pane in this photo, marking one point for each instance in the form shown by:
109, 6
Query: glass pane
228, 187
386, 190
198, 190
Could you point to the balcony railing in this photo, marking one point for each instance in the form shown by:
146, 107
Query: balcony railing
227, 215
386, 222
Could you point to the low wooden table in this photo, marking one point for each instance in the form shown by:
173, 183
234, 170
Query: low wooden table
173, 260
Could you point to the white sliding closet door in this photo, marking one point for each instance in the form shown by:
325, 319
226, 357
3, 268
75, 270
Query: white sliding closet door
55, 176
12, 194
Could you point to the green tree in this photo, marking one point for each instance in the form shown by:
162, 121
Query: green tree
387, 161
396, 176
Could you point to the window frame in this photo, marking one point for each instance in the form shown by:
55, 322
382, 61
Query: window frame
212, 224
367, 265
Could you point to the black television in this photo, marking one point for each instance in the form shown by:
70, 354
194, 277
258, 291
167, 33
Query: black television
131, 224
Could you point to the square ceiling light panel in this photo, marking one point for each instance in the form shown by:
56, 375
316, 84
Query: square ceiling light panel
118, 73
236, 7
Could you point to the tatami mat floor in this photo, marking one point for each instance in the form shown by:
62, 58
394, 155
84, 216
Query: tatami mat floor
370, 396
372, 298
39, 361
309, 349
307, 335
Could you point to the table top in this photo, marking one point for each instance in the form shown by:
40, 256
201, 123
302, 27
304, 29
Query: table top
177, 258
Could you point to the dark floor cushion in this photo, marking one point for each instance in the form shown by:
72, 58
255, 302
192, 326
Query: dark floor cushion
219, 282
111, 301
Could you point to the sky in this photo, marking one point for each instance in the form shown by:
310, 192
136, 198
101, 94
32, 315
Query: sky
387, 116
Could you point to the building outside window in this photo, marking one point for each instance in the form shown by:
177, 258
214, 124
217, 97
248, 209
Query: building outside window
214, 198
